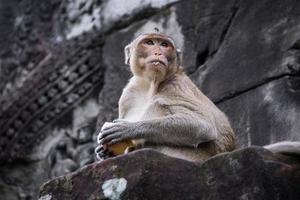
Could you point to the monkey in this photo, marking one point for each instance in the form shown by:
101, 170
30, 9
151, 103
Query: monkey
161, 108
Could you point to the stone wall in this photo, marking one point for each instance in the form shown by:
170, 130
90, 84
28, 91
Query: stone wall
62, 65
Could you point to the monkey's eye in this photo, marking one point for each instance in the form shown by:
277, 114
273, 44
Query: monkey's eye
149, 42
164, 44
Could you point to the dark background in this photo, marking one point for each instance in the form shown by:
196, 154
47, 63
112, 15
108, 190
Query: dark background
62, 65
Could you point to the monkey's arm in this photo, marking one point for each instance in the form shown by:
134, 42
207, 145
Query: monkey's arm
182, 129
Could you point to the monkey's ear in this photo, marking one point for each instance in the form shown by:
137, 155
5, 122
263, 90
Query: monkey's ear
179, 57
127, 54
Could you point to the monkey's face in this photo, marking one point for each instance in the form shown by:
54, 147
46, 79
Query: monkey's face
154, 57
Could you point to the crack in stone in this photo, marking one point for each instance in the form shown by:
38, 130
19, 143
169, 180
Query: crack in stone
227, 26
232, 95
203, 56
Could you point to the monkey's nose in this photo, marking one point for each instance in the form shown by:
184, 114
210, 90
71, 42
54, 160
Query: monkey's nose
157, 54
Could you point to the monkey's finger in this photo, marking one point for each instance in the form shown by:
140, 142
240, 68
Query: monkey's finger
107, 128
107, 125
99, 158
103, 153
109, 138
106, 133
115, 141
104, 141
99, 137
107, 154
103, 157
99, 149
103, 134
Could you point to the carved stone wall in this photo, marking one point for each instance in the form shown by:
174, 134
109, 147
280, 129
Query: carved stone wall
62, 65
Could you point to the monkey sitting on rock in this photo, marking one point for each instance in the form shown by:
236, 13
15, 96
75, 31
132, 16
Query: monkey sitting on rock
162, 109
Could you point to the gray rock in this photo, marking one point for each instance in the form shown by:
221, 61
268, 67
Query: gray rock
84, 154
84, 134
252, 173
63, 166
273, 118
22, 181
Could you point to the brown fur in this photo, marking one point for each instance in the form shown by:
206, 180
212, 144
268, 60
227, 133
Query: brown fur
174, 93
162, 108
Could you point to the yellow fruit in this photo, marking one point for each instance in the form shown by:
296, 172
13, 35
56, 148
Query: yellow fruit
120, 148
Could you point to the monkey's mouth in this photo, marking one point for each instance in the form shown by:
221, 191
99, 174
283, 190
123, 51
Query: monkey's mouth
157, 62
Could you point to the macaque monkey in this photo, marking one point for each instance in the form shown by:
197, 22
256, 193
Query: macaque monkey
161, 108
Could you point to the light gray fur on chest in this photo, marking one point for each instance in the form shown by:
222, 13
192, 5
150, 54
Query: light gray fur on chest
145, 107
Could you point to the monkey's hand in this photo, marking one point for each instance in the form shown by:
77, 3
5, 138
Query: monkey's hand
103, 153
116, 133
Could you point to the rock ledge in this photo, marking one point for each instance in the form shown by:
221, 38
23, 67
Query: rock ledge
249, 173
